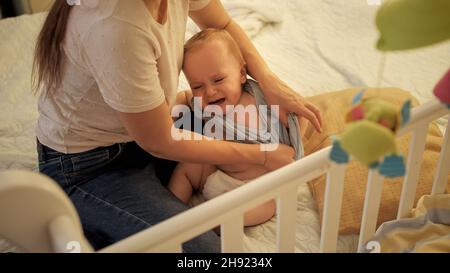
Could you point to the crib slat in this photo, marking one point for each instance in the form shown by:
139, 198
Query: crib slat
168, 248
286, 215
332, 208
232, 235
65, 237
371, 207
416, 149
440, 181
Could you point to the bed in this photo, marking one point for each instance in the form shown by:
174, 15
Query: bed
315, 46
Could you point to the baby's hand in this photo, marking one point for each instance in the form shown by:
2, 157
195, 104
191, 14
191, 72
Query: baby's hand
279, 157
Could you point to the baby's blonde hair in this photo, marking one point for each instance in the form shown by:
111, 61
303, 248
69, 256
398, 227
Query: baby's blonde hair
210, 34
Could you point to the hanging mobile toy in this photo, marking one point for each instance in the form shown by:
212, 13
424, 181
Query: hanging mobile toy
411, 24
369, 135
442, 89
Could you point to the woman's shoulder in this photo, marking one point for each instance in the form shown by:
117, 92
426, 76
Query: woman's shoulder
110, 13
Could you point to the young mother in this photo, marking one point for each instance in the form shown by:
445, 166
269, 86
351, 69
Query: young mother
108, 74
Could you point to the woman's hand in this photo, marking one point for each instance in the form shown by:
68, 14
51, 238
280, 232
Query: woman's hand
282, 156
278, 93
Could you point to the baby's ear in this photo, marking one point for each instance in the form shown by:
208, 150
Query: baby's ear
244, 73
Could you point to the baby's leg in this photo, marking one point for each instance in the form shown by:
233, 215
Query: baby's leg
188, 177
260, 214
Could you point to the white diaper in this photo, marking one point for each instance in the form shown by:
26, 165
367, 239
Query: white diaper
219, 183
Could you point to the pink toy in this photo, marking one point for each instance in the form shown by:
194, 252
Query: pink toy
442, 89
358, 113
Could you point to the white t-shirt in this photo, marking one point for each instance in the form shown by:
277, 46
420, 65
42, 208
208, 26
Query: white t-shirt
117, 57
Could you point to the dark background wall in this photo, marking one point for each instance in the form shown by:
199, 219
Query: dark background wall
7, 8
10, 8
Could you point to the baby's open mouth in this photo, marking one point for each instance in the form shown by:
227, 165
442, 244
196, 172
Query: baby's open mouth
217, 102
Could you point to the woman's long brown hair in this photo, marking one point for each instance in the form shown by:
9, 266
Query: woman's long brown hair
49, 56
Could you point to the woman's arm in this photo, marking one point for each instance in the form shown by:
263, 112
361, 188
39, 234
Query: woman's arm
276, 91
154, 132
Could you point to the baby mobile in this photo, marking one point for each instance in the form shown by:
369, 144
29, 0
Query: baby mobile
369, 135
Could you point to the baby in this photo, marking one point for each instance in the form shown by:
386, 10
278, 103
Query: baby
215, 69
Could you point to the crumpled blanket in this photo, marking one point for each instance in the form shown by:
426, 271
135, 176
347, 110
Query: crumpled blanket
251, 15
427, 231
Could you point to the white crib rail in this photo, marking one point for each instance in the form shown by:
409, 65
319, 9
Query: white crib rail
228, 210
332, 208
233, 234
440, 180
371, 207
416, 149
226, 207
286, 211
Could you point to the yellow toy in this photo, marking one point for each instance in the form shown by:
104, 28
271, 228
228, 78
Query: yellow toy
370, 135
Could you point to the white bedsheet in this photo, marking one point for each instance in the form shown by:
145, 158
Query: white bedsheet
315, 46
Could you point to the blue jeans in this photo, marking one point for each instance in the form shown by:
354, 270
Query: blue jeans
117, 192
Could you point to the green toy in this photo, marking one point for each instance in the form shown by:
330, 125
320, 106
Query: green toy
370, 135
408, 24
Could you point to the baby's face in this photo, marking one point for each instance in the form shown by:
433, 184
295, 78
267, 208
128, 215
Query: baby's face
214, 74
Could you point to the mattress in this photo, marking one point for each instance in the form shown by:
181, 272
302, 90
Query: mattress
314, 46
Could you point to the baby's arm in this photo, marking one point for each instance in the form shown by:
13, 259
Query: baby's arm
189, 177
